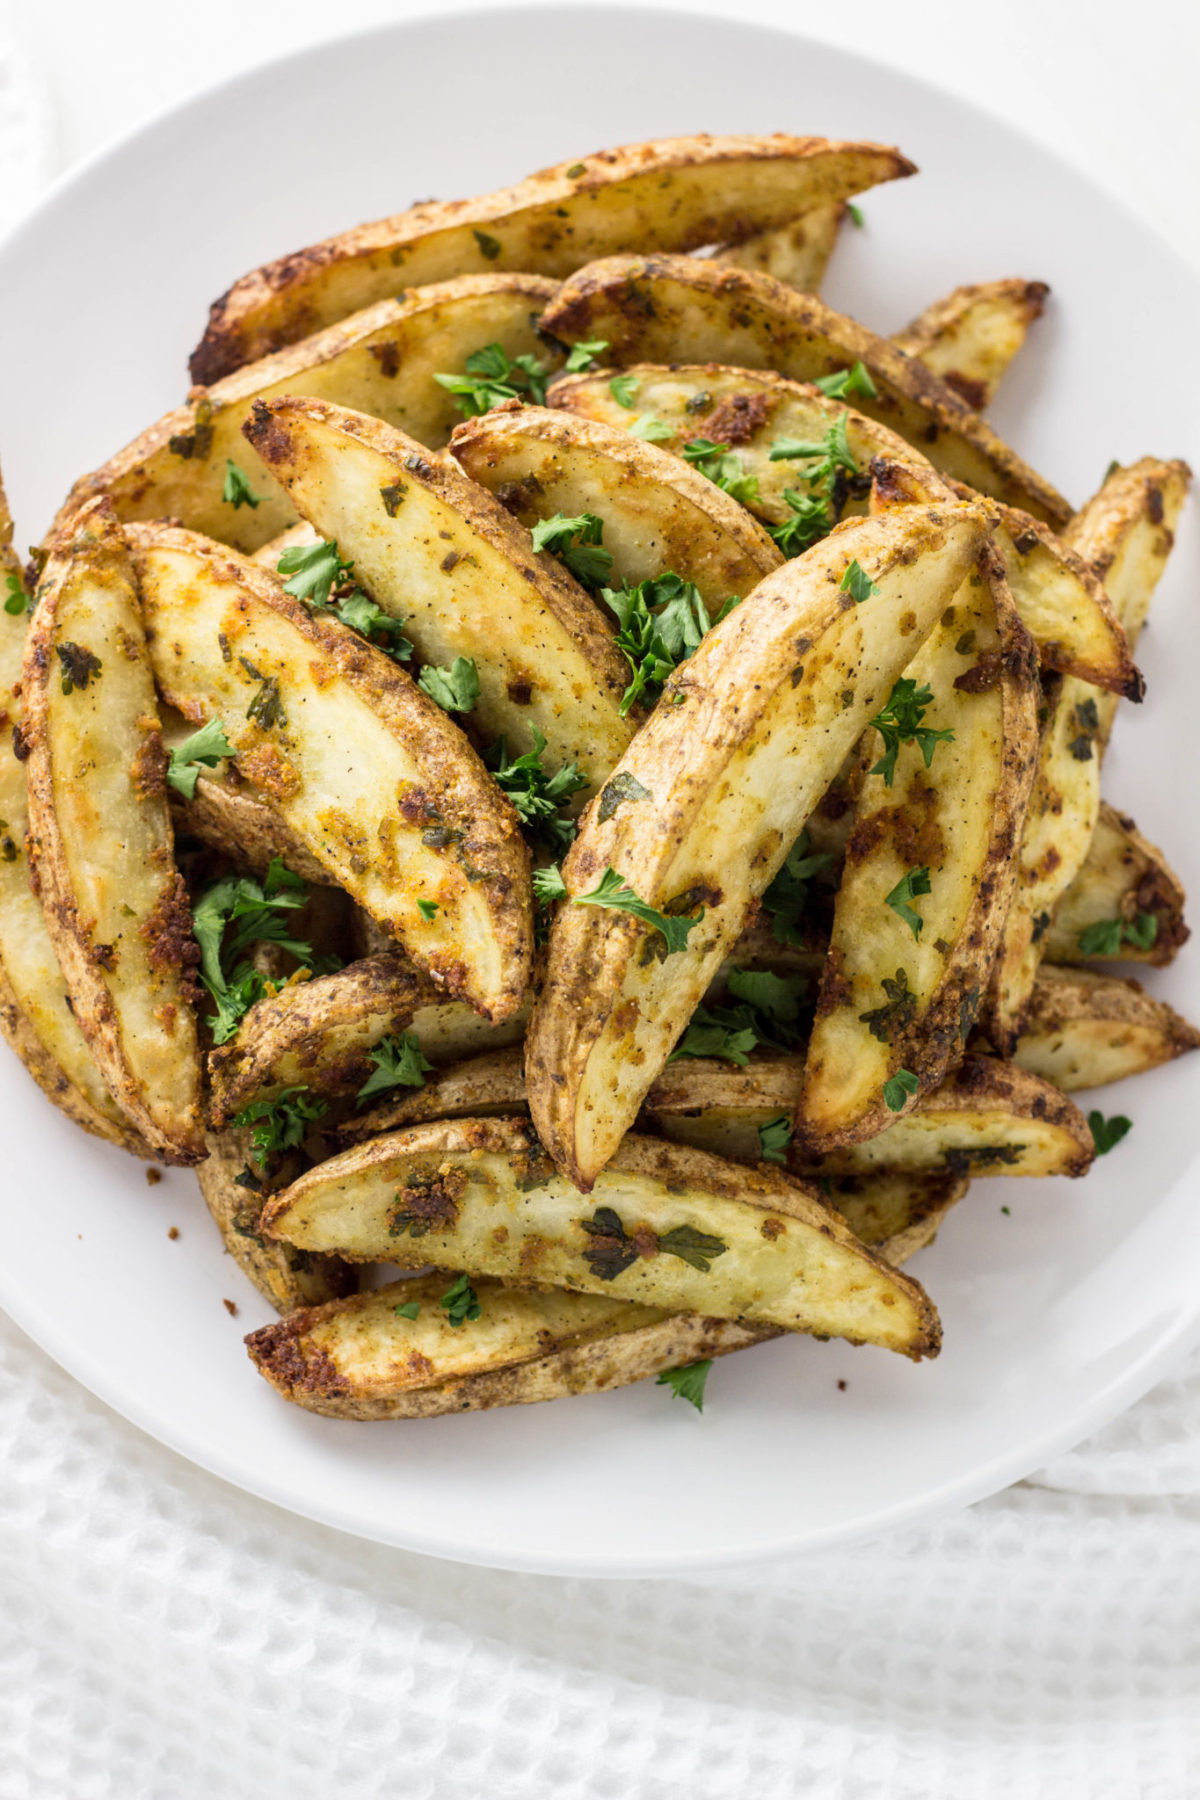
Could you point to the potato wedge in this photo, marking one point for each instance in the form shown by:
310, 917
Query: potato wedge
101, 847
727, 792
381, 362
319, 1034
235, 1195
35, 1011
658, 514
969, 338
676, 193
905, 975
436, 551
1083, 1029
490, 1085
373, 777
673, 1227
797, 252
1124, 881
680, 309
1059, 597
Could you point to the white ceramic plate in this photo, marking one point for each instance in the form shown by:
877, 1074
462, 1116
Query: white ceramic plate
1058, 1312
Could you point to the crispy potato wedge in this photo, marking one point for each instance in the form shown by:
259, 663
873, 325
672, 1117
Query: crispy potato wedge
658, 513
727, 792
904, 976
969, 338
1123, 877
1059, 597
435, 550
381, 362
235, 1195
674, 1227
797, 252
680, 309
1084, 1029
366, 770
100, 841
676, 193
319, 1034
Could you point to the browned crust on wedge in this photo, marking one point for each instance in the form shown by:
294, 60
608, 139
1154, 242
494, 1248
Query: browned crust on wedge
285, 1276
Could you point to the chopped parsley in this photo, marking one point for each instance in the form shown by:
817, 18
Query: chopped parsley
723, 467
787, 896
78, 666
1105, 937
654, 431
774, 1138
237, 491
427, 908
767, 1011
577, 543
280, 1124
17, 600
899, 722
688, 1382
583, 354
612, 1250
623, 388
856, 216
461, 1302
229, 917
399, 1062
828, 458
203, 750
623, 789
898, 1089
612, 891
857, 583
455, 689
266, 705
407, 1309
492, 376
807, 523
848, 382
323, 580
537, 794
898, 1012
488, 246
548, 885
661, 621
1108, 1132
906, 890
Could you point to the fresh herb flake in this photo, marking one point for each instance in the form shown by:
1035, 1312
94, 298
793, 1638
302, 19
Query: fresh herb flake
1108, 1132
613, 891
910, 887
203, 750
687, 1383
898, 1089
399, 1062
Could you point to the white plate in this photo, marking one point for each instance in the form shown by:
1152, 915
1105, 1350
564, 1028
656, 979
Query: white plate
1057, 1313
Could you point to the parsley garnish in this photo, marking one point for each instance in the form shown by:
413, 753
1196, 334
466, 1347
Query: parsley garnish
427, 908
583, 354
907, 889
723, 467
455, 689
488, 246
774, 1138
808, 524
614, 892
204, 749
323, 581
17, 601
266, 705
623, 388
577, 542
1108, 1132
255, 912
857, 583
624, 788
856, 217
897, 1014
399, 1062
407, 1309
1106, 936
612, 1250
898, 1088
548, 885
828, 457
787, 896
848, 382
900, 723
461, 1302
653, 430
237, 490
493, 376
78, 666
536, 794
280, 1124
662, 622
688, 1382
767, 1012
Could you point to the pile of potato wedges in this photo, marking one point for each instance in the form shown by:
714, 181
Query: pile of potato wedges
571, 770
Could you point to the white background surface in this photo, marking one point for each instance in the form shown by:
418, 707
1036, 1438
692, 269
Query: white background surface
162, 1636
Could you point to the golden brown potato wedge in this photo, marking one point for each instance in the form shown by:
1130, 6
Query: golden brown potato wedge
681, 309
969, 338
320, 1034
382, 361
748, 734
235, 1193
676, 193
658, 514
436, 551
797, 252
1083, 1029
1125, 904
928, 872
100, 840
1060, 599
668, 1226
366, 770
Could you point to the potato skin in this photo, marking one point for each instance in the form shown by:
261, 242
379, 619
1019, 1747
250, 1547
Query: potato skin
970, 336
797, 252
1084, 1028
1124, 876
679, 193
288, 1278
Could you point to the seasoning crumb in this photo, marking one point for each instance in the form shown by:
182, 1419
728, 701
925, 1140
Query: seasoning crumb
153, 1177
230, 1307
1007, 1211
841, 1387
173, 1233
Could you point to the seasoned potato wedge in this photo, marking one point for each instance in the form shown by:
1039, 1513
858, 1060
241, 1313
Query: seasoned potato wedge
319, 1034
435, 550
681, 309
674, 1227
658, 513
797, 252
749, 733
366, 770
491, 1085
1124, 879
928, 873
1060, 599
676, 193
100, 839
235, 1194
382, 361
1083, 1029
970, 337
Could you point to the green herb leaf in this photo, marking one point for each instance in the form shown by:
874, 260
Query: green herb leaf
203, 750
488, 246
899, 722
699, 1249
1105, 937
455, 689
774, 1138
380, 629
537, 794
787, 896
427, 908
1108, 1132
408, 1309
229, 917
461, 1302
688, 1382
280, 1124
897, 1014
855, 212
723, 467
772, 995
78, 666
548, 886
237, 490
810, 521
583, 354
857, 583
898, 1088
848, 382
623, 388
399, 1062
768, 1012
578, 543
662, 621
17, 600
907, 889
493, 376
313, 571
613, 891
624, 787
655, 431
